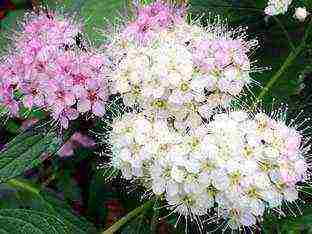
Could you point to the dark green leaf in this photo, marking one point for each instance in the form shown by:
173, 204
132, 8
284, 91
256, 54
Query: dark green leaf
23, 221
140, 225
21, 193
25, 152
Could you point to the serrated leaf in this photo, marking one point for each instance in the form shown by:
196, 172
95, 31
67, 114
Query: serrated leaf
24, 221
31, 195
25, 153
62, 211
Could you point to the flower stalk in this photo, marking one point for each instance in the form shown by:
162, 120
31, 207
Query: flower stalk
292, 56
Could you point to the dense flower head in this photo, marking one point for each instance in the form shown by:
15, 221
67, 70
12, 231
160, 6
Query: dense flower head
185, 72
277, 7
46, 29
151, 19
48, 70
239, 165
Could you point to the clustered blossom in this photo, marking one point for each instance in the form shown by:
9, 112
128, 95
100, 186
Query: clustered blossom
277, 7
185, 71
236, 165
47, 69
150, 20
175, 76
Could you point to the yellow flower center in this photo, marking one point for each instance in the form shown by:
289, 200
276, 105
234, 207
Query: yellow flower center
235, 177
161, 104
184, 87
248, 151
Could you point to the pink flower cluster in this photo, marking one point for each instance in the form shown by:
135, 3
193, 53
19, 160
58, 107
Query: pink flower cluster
227, 59
291, 168
48, 70
150, 20
7, 87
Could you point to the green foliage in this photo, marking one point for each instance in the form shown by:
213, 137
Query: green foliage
15, 221
302, 223
28, 208
97, 14
25, 152
99, 194
139, 225
24, 194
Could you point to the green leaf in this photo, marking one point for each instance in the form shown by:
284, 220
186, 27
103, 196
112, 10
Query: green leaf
140, 225
25, 153
31, 195
62, 210
8, 24
23, 221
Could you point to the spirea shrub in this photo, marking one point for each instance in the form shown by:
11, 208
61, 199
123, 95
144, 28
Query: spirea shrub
171, 95
177, 76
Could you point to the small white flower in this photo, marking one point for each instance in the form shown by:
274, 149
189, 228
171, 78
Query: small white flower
301, 14
276, 7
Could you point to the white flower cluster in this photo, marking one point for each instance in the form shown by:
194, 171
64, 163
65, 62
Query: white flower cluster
276, 7
184, 72
237, 164
175, 75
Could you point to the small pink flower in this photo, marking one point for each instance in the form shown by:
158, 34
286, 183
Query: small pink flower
51, 72
7, 100
291, 145
74, 142
94, 99
65, 116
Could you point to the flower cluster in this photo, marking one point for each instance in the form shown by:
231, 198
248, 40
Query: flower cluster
48, 70
175, 143
237, 164
150, 20
185, 71
276, 7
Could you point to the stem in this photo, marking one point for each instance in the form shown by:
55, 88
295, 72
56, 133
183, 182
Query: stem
155, 217
285, 32
292, 56
116, 226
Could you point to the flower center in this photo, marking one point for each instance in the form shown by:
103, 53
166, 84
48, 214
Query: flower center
184, 87
159, 103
